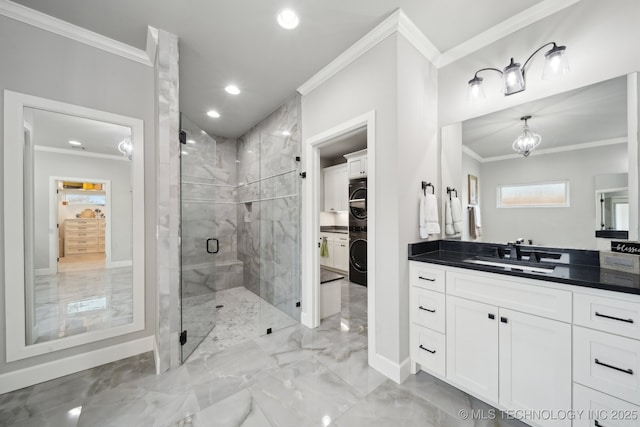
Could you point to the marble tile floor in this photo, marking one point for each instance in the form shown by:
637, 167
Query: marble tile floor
293, 377
243, 316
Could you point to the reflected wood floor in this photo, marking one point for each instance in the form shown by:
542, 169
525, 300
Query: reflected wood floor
81, 262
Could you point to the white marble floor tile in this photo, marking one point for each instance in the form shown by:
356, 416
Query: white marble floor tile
303, 394
53, 418
238, 410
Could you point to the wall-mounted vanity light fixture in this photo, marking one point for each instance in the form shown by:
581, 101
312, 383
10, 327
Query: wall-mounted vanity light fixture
513, 75
126, 147
527, 141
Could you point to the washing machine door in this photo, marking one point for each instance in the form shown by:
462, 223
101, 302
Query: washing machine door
358, 255
358, 203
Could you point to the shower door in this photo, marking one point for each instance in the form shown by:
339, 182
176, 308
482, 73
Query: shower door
198, 235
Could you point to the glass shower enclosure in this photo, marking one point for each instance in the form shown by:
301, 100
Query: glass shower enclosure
240, 236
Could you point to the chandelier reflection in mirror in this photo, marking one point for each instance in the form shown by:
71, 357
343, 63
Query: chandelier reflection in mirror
527, 141
513, 75
126, 147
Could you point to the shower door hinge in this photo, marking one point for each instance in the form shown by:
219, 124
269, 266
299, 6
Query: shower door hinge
183, 337
303, 174
183, 137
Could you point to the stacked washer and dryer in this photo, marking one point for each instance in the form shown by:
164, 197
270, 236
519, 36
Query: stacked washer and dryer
358, 231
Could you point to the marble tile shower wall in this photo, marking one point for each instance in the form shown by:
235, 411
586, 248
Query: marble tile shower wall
209, 211
268, 208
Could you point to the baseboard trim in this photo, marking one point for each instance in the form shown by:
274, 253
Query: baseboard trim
397, 372
305, 319
25, 377
118, 264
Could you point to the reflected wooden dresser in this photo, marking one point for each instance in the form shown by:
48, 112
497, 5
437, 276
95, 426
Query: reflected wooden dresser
83, 236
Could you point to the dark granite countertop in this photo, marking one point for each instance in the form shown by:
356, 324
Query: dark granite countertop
574, 267
342, 229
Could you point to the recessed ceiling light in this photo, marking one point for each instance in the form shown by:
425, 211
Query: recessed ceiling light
190, 141
288, 19
286, 133
213, 113
75, 143
232, 89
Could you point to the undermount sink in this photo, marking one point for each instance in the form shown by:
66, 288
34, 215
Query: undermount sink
512, 265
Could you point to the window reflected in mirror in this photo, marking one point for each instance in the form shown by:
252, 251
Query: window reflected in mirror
78, 226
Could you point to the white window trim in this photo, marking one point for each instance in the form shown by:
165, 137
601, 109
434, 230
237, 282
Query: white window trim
527, 184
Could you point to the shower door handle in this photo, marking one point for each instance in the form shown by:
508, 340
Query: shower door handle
217, 246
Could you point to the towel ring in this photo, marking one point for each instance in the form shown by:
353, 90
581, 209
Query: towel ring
451, 190
428, 184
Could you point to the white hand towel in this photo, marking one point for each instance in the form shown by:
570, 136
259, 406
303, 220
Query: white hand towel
476, 212
456, 214
429, 223
448, 219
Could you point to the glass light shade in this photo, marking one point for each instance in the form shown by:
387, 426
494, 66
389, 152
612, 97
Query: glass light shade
513, 78
475, 91
527, 141
555, 64
126, 147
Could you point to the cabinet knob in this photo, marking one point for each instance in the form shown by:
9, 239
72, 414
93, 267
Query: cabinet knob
504, 320
491, 316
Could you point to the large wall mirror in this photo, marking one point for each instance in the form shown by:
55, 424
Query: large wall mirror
553, 196
74, 221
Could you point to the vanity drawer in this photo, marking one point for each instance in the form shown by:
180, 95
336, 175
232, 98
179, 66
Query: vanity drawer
428, 349
538, 300
427, 309
591, 406
607, 314
423, 276
606, 362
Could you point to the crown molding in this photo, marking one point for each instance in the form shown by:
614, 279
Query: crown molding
412, 33
397, 22
152, 43
76, 152
582, 146
62, 28
469, 152
508, 26
359, 48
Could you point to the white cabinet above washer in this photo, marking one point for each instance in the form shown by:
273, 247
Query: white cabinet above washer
357, 164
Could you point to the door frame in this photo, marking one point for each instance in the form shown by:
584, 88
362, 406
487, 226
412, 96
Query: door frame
53, 221
310, 315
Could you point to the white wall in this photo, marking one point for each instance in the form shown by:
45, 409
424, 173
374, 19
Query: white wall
400, 85
69, 165
40, 63
572, 226
602, 43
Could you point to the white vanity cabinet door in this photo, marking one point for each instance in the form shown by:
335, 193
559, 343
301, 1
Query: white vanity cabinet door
535, 364
472, 346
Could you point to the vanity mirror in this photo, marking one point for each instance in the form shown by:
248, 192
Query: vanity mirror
74, 221
583, 136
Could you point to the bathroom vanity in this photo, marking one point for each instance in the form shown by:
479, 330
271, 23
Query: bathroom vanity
555, 341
